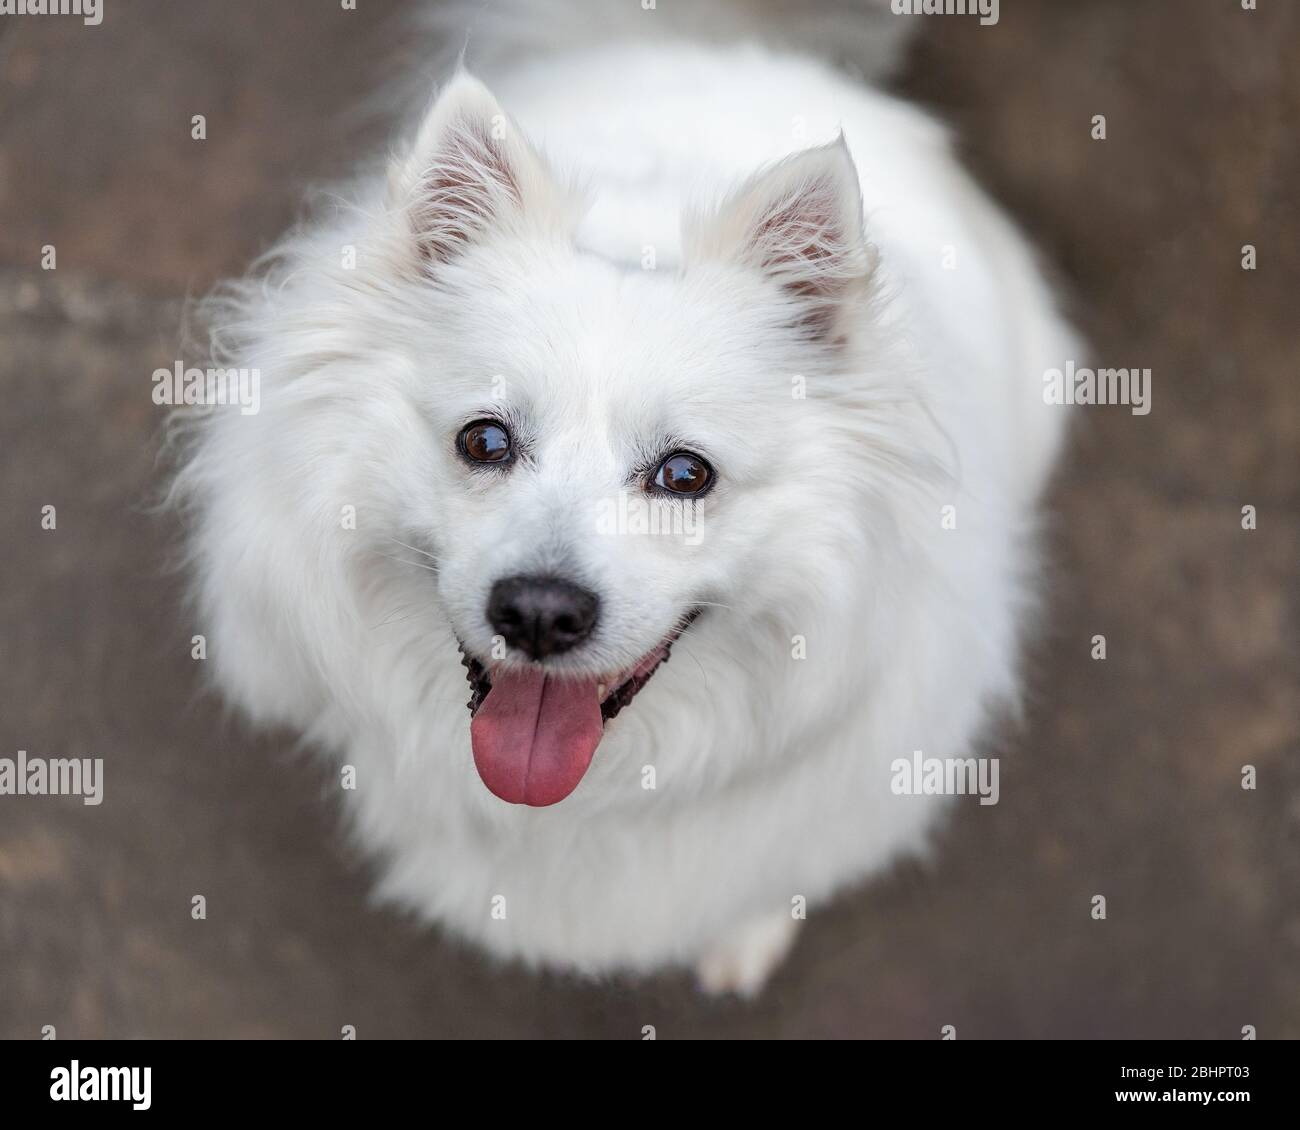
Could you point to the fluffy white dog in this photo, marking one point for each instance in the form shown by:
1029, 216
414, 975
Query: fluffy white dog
650, 341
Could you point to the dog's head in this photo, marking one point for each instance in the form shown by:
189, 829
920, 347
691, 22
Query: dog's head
582, 455
613, 445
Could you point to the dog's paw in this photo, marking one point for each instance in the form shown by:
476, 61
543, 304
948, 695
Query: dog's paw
743, 961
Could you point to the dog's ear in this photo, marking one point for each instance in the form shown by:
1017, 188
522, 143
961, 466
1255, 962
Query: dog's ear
800, 223
471, 173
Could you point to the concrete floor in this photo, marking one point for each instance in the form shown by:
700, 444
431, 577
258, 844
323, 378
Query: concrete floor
1125, 780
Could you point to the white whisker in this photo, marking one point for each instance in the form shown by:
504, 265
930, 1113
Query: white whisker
404, 561
415, 549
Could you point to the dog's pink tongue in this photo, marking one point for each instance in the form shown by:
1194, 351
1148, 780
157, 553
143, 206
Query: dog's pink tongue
533, 737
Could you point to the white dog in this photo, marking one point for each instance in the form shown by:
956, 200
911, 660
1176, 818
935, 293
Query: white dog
649, 341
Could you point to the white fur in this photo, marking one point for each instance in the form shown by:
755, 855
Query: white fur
772, 773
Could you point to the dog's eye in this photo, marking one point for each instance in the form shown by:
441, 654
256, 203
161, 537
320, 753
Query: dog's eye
485, 441
684, 473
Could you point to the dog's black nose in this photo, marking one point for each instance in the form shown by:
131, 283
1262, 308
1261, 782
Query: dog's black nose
541, 615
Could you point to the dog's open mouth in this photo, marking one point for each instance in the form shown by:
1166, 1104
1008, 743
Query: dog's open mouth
534, 734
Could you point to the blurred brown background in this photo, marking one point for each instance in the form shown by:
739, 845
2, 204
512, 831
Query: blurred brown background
1124, 782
